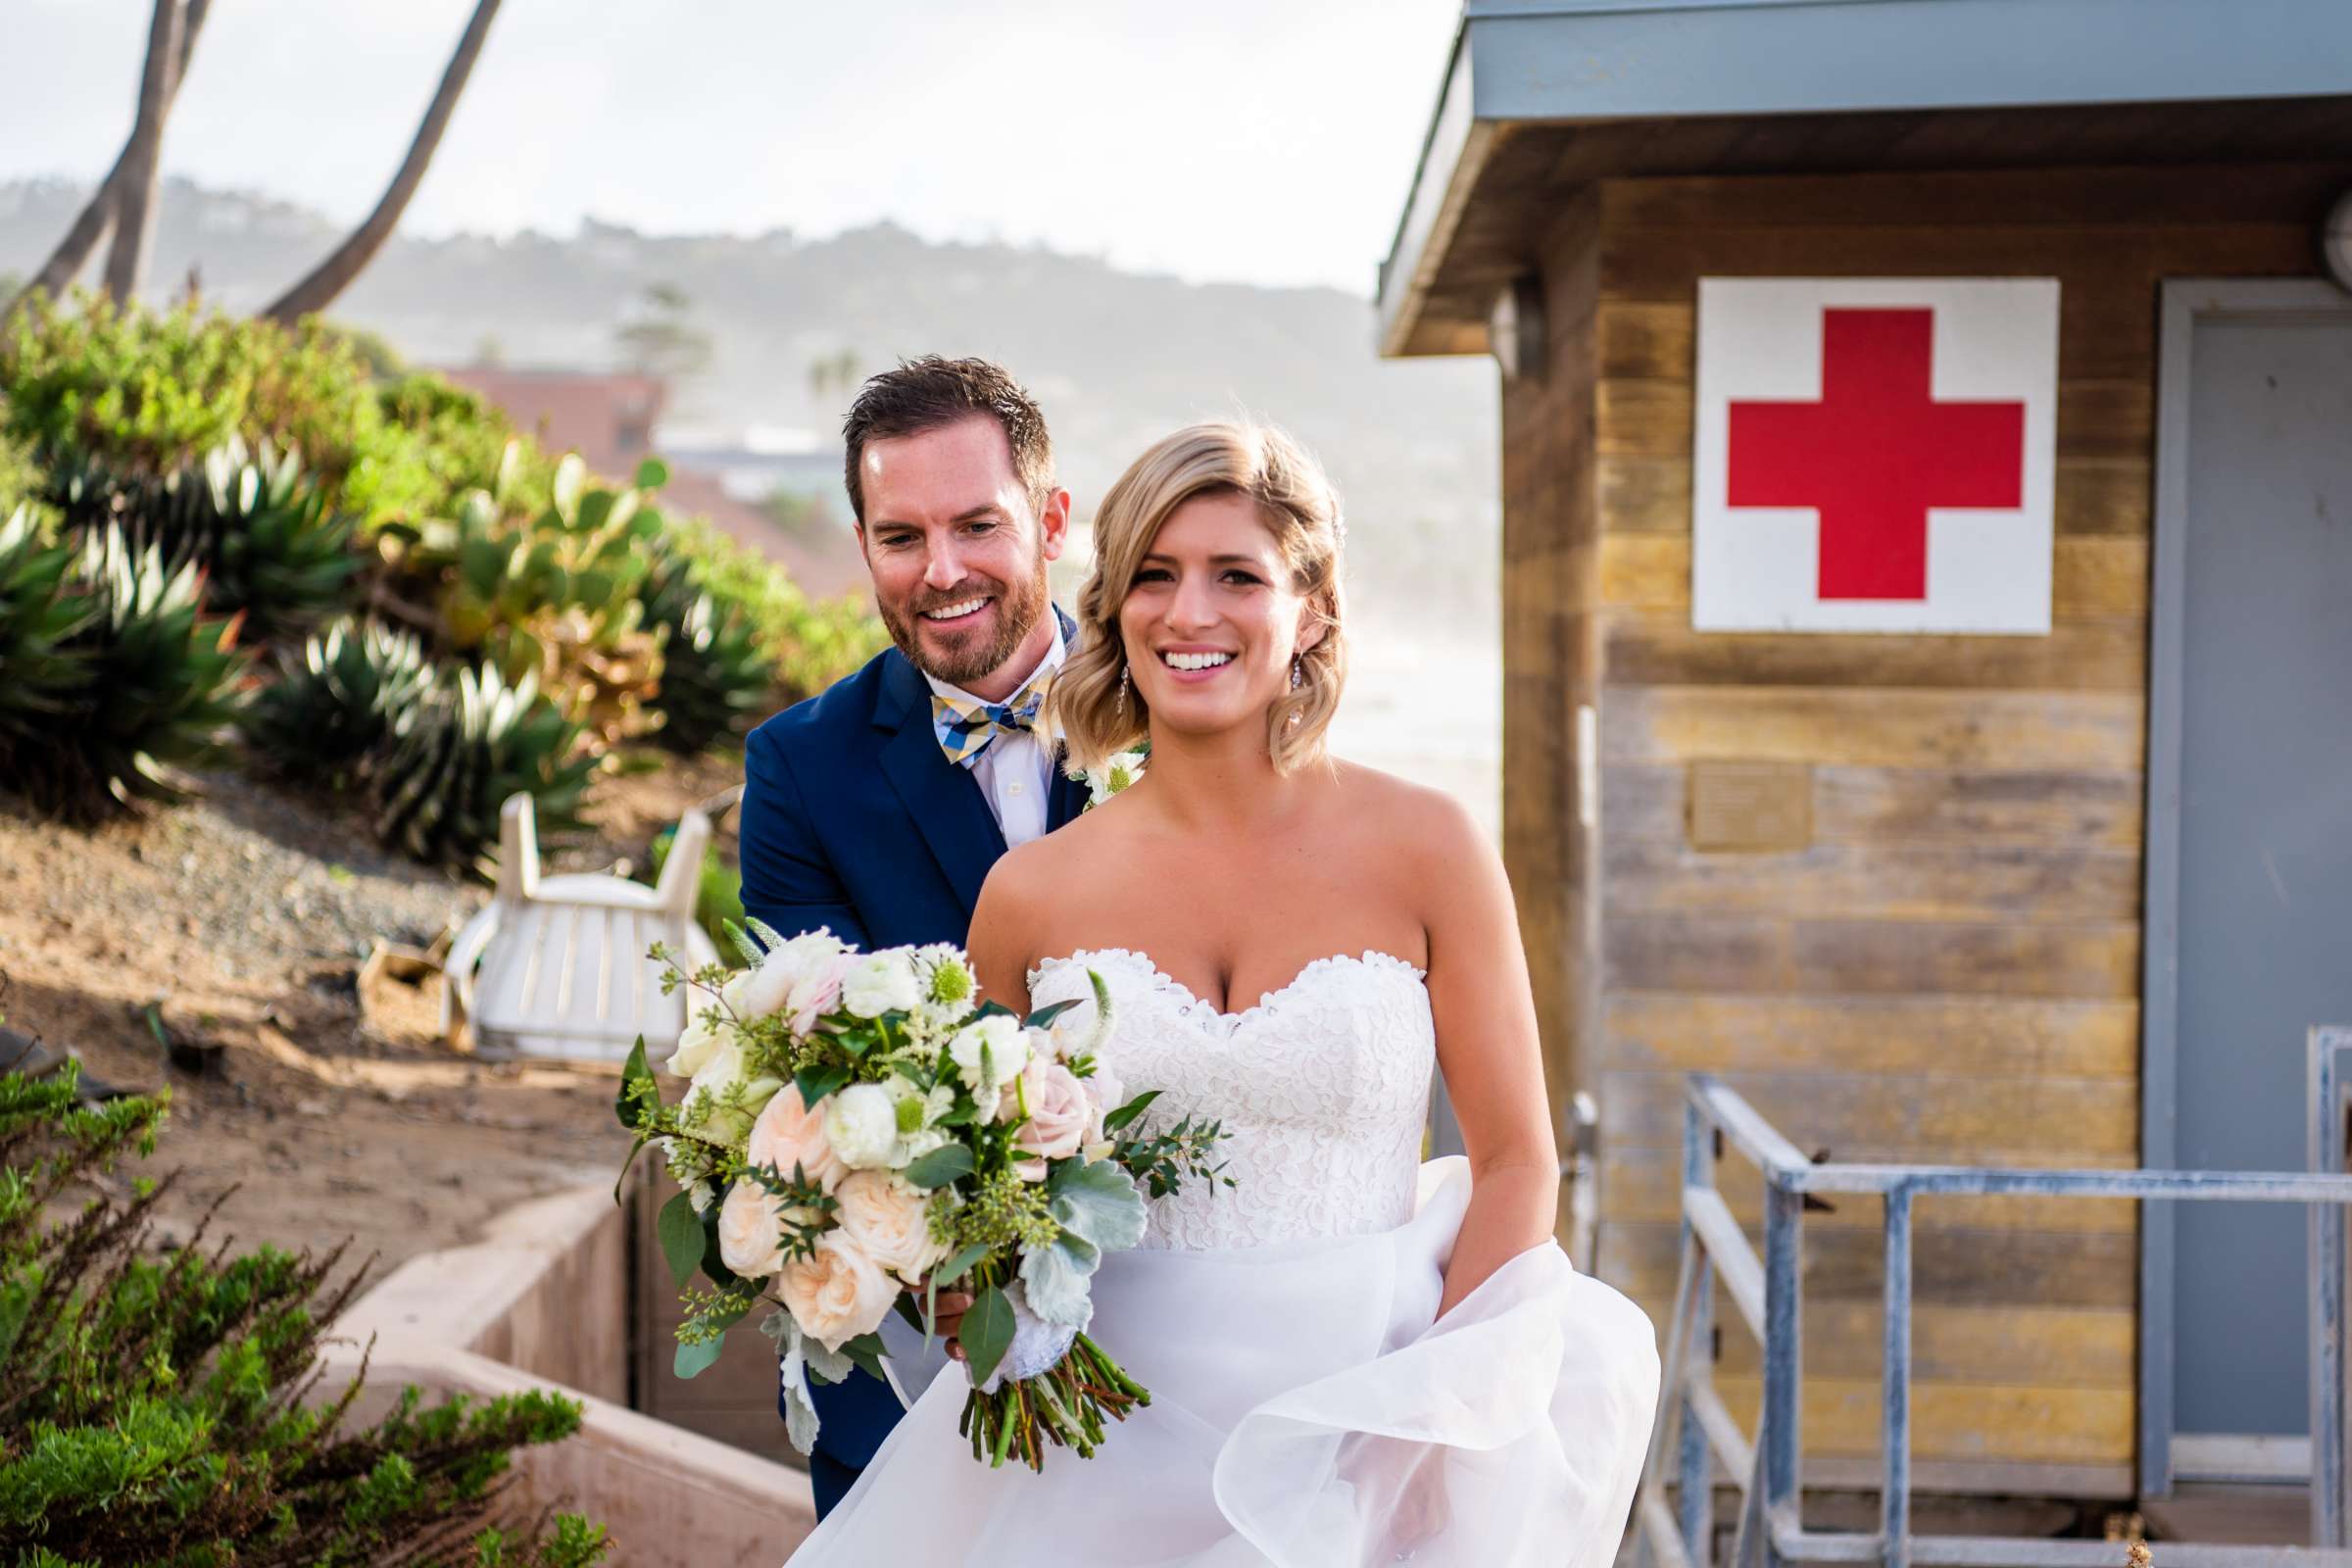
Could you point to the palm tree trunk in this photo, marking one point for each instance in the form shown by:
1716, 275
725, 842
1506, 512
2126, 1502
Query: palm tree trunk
335, 274
134, 198
97, 217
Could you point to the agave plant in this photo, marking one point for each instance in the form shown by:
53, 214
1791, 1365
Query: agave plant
40, 676
453, 761
713, 675
336, 703
269, 545
162, 684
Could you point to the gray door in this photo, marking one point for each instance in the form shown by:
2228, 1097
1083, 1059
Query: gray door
2255, 601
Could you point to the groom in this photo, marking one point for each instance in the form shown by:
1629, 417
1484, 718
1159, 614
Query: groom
877, 807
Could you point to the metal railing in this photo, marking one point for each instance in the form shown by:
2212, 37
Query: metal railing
1693, 1424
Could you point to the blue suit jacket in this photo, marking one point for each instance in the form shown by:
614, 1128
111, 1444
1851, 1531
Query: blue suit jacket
854, 819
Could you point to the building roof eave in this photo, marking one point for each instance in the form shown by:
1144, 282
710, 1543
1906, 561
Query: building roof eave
1520, 62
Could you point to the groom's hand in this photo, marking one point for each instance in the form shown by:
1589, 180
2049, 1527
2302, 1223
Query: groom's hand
948, 1310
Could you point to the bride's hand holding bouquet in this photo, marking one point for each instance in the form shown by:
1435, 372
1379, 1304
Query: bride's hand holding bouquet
857, 1134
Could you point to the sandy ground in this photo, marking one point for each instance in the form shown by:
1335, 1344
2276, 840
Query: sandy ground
326, 1116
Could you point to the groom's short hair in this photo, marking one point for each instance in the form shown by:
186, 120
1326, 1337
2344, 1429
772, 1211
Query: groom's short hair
927, 393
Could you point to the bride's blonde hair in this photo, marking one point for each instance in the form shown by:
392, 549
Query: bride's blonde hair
1300, 509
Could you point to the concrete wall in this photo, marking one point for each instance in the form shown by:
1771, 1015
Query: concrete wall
542, 1302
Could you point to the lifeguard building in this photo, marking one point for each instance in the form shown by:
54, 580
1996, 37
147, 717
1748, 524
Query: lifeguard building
1927, 484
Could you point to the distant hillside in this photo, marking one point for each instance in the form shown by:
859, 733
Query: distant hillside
1116, 357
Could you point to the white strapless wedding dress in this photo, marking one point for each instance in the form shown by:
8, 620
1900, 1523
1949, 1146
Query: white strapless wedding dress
1304, 1393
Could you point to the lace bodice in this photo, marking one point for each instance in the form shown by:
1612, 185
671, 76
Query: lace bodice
1323, 1086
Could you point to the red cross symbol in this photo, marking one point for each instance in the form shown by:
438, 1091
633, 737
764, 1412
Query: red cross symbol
1875, 453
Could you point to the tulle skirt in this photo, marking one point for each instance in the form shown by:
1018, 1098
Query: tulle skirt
1309, 1410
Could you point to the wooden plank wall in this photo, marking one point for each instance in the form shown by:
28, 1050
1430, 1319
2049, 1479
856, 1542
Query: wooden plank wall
1943, 962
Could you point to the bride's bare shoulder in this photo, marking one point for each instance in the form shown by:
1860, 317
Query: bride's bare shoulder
1405, 814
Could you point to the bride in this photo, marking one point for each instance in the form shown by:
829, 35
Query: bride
1355, 1358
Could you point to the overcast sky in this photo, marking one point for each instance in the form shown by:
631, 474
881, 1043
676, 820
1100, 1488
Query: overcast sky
1267, 141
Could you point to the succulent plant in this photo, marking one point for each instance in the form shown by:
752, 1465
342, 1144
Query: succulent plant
40, 678
337, 701
452, 762
268, 542
713, 675
162, 683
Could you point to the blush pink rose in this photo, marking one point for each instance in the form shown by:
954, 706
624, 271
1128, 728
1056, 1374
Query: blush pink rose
789, 1133
751, 1230
815, 996
891, 1223
1060, 1114
836, 1293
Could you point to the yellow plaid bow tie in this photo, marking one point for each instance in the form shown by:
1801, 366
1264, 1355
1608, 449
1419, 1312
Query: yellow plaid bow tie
967, 726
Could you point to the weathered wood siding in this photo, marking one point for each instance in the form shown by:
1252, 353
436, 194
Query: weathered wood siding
1928, 948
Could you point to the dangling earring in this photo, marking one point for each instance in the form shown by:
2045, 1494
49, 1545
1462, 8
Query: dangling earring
1297, 672
1125, 680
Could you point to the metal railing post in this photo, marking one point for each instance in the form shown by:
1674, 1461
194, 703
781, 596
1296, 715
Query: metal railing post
1780, 1434
2329, 1050
1895, 1380
1696, 1497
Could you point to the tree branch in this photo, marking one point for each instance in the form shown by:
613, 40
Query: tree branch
134, 198
335, 274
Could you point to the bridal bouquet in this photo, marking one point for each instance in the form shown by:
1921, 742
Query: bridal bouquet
856, 1135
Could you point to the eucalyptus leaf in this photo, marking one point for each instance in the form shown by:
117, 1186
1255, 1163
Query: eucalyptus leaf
1042, 1017
986, 1333
693, 1360
952, 1269
680, 1231
1097, 1202
1118, 1120
868, 1352
633, 1071
940, 1167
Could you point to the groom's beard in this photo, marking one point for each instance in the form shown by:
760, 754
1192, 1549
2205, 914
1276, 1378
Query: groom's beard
961, 657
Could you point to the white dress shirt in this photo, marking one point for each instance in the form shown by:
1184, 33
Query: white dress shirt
1016, 770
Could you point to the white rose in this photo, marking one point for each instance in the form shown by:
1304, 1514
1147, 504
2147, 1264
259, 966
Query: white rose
836, 1293
989, 1053
750, 1230
695, 1044
861, 1123
879, 983
889, 1221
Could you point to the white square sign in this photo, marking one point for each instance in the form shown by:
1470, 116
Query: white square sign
1874, 455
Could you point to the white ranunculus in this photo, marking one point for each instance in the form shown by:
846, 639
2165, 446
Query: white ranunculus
862, 1124
836, 1293
750, 1230
889, 1221
879, 983
695, 1046
989, 1053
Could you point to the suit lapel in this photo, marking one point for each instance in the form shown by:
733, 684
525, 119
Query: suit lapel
944, 800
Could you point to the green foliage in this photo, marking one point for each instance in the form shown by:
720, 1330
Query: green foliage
40, 678
714, 677
811, 643
143, 390
453, 761
432, 443
158, 681
338, 702
261, 531
161, 1407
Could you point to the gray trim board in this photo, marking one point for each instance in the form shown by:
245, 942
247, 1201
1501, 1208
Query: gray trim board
2184, 301
1519, 61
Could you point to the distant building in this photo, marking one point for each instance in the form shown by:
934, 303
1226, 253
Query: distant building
612, 419
1925, 626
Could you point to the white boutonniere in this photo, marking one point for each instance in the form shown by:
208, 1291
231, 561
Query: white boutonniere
1118, 774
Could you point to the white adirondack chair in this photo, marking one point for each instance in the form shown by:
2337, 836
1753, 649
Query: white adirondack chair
556, 968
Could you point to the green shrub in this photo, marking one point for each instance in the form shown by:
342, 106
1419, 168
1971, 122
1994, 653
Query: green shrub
271, 548
144, 390
337, 701
450, 764
155, 1413
160, 681
714, 677
433, 441
41, 680
812, 643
